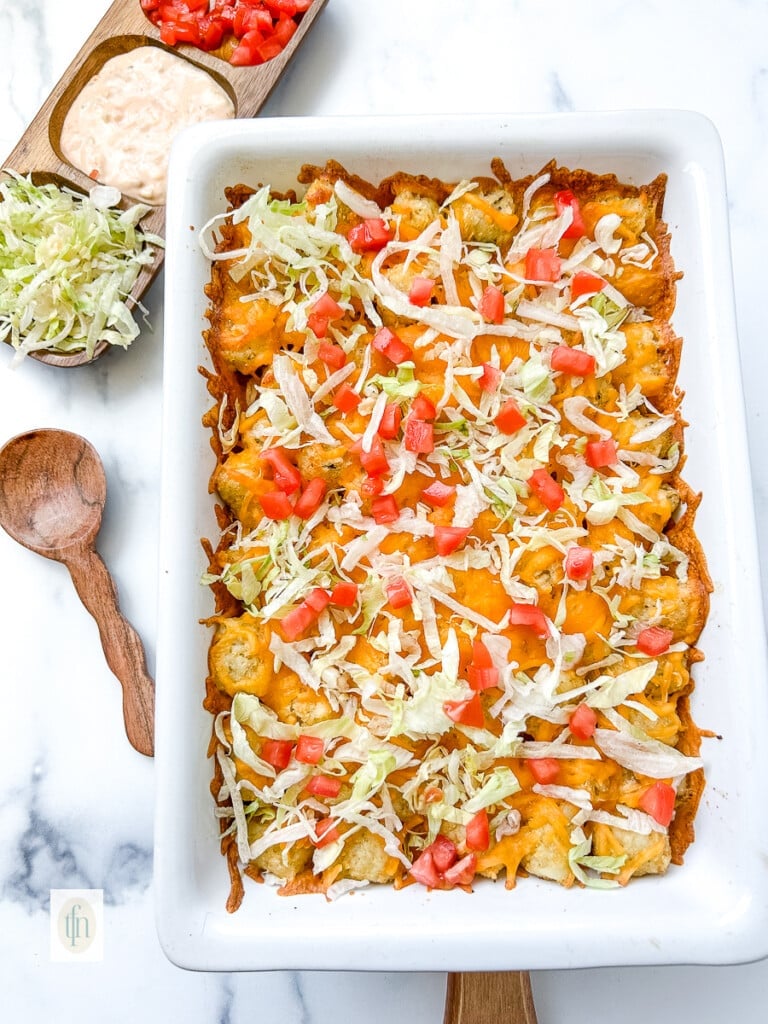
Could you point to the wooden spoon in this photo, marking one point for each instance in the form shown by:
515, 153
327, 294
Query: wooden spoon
52, 494
484, 998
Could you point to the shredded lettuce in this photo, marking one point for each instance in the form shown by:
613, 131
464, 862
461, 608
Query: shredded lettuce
401, 385
585, 866
501, 783
67, 267
369, 778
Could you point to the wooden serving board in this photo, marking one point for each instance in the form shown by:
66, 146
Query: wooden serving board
124, 27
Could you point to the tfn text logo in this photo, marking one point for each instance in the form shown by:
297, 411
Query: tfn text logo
77, 925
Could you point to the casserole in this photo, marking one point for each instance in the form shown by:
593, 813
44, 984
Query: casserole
709, 911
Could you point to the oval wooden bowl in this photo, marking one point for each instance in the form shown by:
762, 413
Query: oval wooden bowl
124, 27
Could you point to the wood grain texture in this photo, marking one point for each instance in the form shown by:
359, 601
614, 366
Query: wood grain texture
489, 998
123, 28
52, 495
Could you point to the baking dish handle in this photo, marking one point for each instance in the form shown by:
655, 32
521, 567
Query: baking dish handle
489, 998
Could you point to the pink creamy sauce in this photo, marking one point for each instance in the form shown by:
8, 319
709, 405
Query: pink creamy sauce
120, 127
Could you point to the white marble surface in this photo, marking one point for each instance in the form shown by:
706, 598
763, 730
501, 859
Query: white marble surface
75, 800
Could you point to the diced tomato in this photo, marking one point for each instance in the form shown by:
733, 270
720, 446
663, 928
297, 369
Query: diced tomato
481, 656
311, 498
211, 33
332, 355
369, 236
297, 621
385, 509
346, 399
572, 360
262, 29
601, 453
283, 31
482, 673
659, 801
344, 594
195, 6
327, 306
247, 52
466, 712
372, 487
246, 20
388, 343
225, 13
278, 7
482, 678
419, 436
421, 291
490, 378
423, 869
276, 505
268, 50
326, 832
284, 473
579, 563
584, 283
168, 34
260, 18
318, 599
462, 872
438, 493
318, 324
544, 769
389, 427
444, 852
422, 408
277, 753
324, 785
530, 616
449, 538
478, 832
510, 419
583, 722
563, 200
542, 265
399, 594
398, 352
438, 866
654, 640
309, 749
547, 489
374, 462
491, 304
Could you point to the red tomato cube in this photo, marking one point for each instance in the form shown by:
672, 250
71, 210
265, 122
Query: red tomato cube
654, 640
309, 749
659, 801
277, 753
579, 563
583, 722
544, 769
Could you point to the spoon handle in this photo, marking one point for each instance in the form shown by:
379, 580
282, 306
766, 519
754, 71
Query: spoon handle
122, 645
485, 998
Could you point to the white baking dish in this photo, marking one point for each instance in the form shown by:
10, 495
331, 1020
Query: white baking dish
712, 910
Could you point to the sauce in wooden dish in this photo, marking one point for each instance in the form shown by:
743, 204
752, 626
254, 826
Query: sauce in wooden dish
120, 127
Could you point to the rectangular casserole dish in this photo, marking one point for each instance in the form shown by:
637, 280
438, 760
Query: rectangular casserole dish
711, 910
